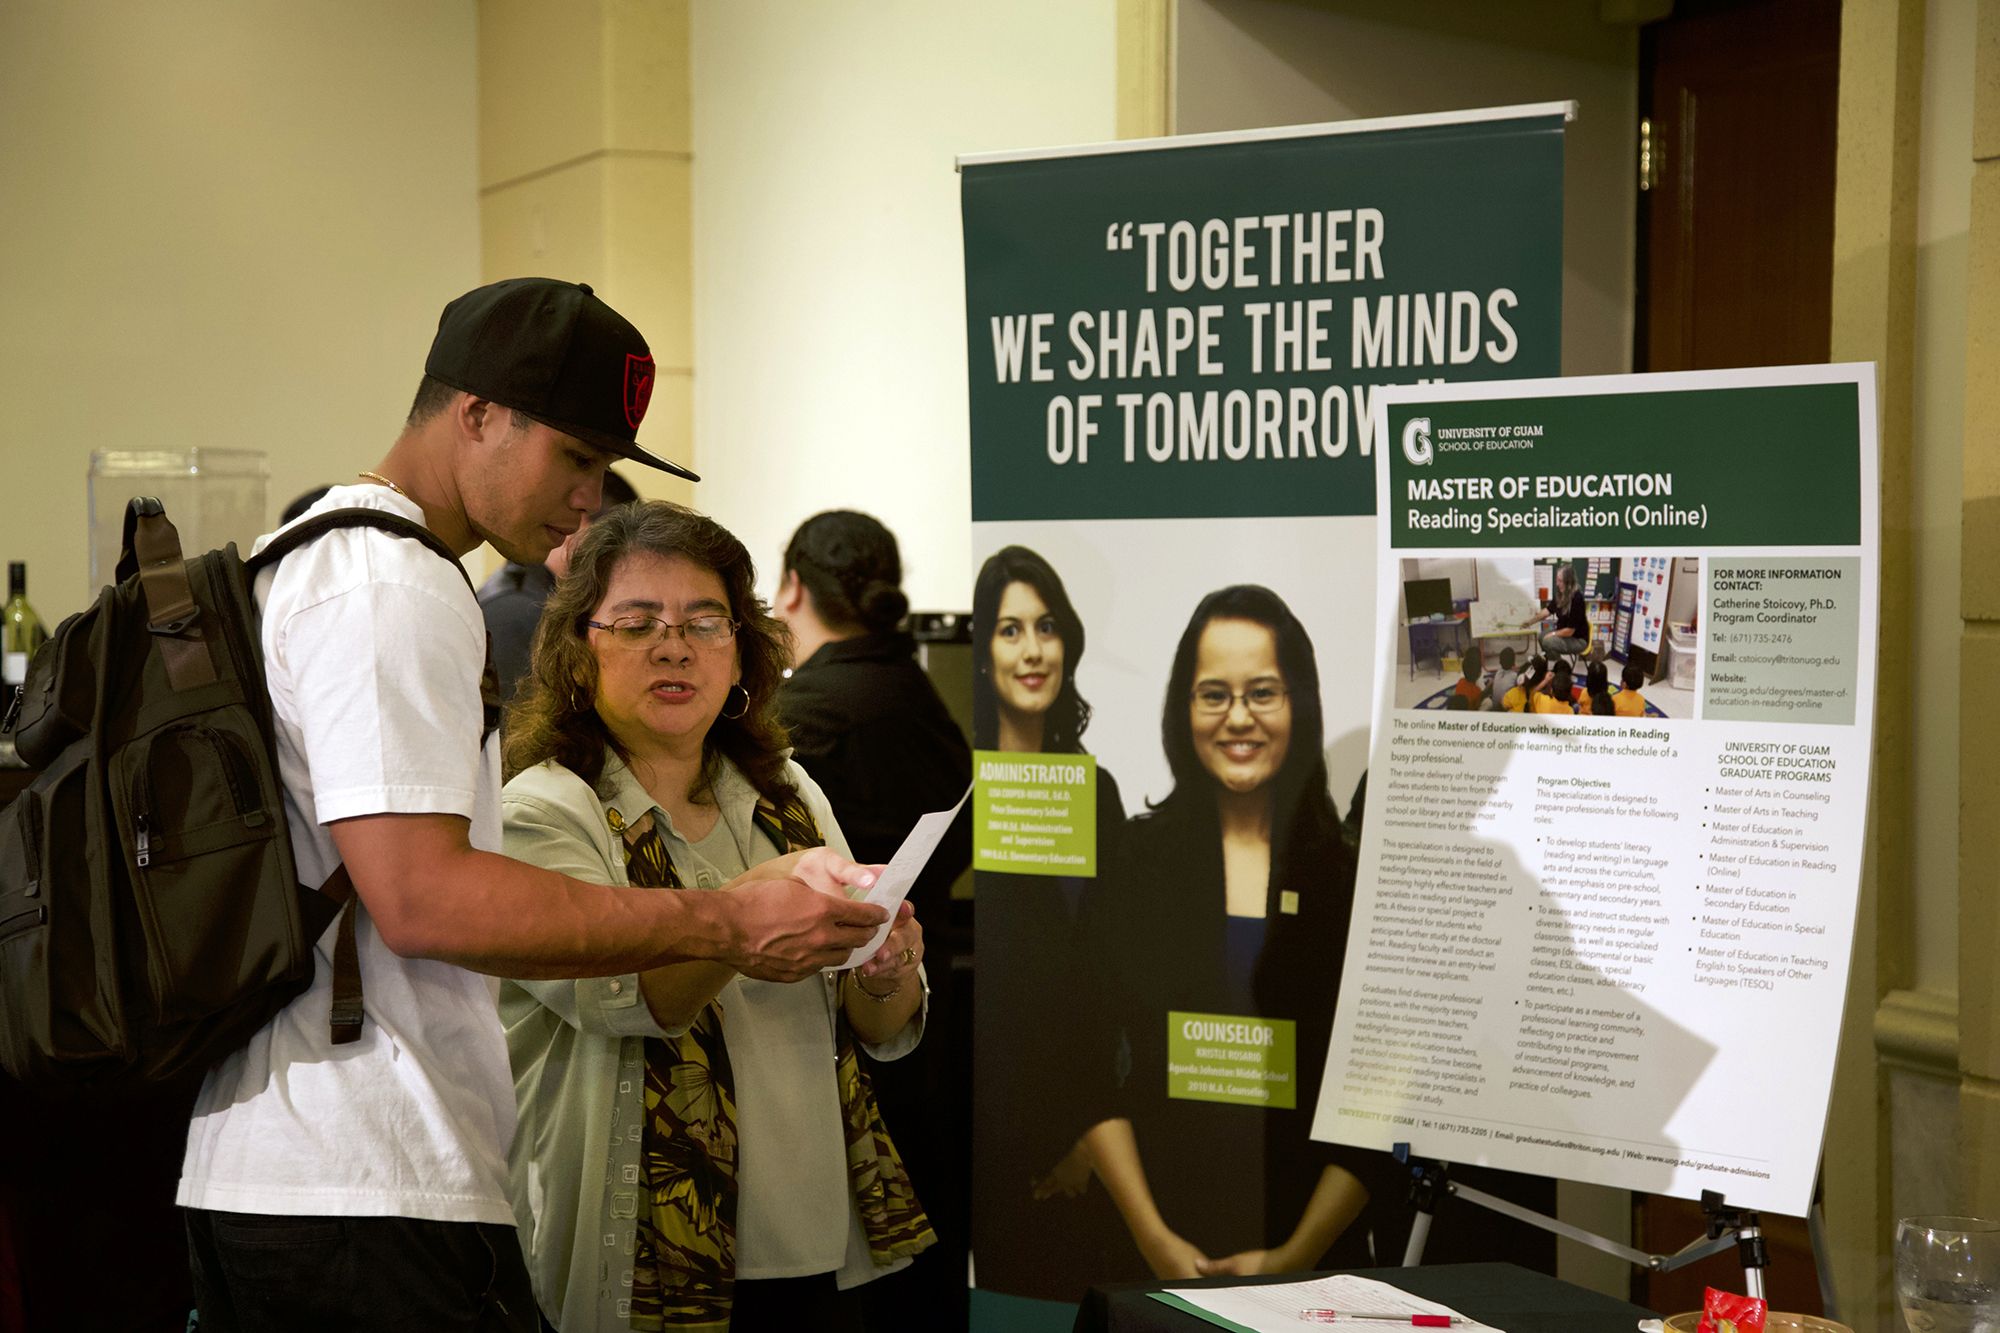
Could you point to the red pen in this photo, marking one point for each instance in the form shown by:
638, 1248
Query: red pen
1419, 1320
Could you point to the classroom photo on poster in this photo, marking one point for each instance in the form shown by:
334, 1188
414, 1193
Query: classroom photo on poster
1578, 634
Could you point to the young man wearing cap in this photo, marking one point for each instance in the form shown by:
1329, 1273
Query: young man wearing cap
363, 1184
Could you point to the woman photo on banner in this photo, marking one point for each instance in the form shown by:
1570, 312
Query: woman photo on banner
1046, 1067
1230, 914
694, 1149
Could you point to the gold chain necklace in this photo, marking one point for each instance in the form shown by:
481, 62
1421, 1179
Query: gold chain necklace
378, 477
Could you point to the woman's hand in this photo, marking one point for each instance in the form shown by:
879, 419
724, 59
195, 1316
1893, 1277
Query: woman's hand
1168, 1255
885, 993
1337, 1199
820, 868
783, 930
1069, 1177
1249, 1263
899, 955
780, 933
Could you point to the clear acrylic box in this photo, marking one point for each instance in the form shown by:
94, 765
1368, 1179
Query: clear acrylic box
213, 496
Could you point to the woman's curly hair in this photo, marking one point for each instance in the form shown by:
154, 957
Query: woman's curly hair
554, 716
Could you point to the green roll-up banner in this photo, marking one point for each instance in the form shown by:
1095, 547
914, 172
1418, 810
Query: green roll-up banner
1171, 347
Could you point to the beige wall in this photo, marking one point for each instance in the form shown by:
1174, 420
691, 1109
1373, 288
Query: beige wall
584, 162
829, 283
1245, 63
228, 224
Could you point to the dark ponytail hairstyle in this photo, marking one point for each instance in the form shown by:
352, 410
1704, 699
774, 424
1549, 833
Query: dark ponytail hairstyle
849, 563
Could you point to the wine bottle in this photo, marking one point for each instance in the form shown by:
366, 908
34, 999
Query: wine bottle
21, 633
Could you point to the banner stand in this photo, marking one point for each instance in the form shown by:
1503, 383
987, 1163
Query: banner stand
1431, 1184
1172, 345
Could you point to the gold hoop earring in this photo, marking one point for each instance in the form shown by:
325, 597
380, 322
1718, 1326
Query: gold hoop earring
738, 687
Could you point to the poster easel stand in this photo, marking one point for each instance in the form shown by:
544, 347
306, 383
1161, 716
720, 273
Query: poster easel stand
1431, 1184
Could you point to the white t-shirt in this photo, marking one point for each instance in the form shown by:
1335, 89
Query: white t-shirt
373, 650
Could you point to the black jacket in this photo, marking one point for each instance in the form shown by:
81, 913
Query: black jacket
1234, 1177
868, 725
511, 601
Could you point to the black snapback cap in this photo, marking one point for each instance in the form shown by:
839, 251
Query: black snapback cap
555, 352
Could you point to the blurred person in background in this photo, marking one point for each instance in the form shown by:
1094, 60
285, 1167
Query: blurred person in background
868, 725
303, 501
511, 600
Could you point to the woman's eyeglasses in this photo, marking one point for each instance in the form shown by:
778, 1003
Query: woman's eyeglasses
1218, 699
650, 631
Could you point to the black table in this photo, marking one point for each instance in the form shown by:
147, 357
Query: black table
1517, 1300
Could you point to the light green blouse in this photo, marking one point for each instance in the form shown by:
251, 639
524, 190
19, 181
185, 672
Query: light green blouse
579, 1069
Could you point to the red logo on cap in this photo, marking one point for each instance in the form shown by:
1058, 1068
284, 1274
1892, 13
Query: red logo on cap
638, 388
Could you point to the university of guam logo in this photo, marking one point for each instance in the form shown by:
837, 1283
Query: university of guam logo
1417, 441
638, 388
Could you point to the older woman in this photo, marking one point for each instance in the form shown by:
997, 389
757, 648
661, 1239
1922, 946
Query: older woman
1234, 904
695, 1150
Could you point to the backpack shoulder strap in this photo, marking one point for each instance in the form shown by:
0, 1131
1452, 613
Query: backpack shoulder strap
362, 516
344, 1018
358, 516
151, 552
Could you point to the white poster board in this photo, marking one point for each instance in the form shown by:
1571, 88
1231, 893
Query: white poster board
1614, 948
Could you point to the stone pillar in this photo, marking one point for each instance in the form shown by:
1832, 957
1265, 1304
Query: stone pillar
1979, 698
585, 156
1874, 319
1145, 68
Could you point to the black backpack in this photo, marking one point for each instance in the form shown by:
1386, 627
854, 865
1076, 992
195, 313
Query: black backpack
151, 919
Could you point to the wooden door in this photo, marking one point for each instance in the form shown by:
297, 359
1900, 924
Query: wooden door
1736, 231
1735, 269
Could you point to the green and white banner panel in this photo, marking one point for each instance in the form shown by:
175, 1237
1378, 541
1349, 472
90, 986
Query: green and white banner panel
1174, 348
1605, 915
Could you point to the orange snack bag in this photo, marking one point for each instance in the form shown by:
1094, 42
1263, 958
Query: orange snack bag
1726, 1312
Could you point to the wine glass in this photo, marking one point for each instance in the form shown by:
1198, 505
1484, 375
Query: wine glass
1948, 1274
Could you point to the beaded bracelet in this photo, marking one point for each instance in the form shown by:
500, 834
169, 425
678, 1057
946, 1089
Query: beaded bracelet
884, 998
